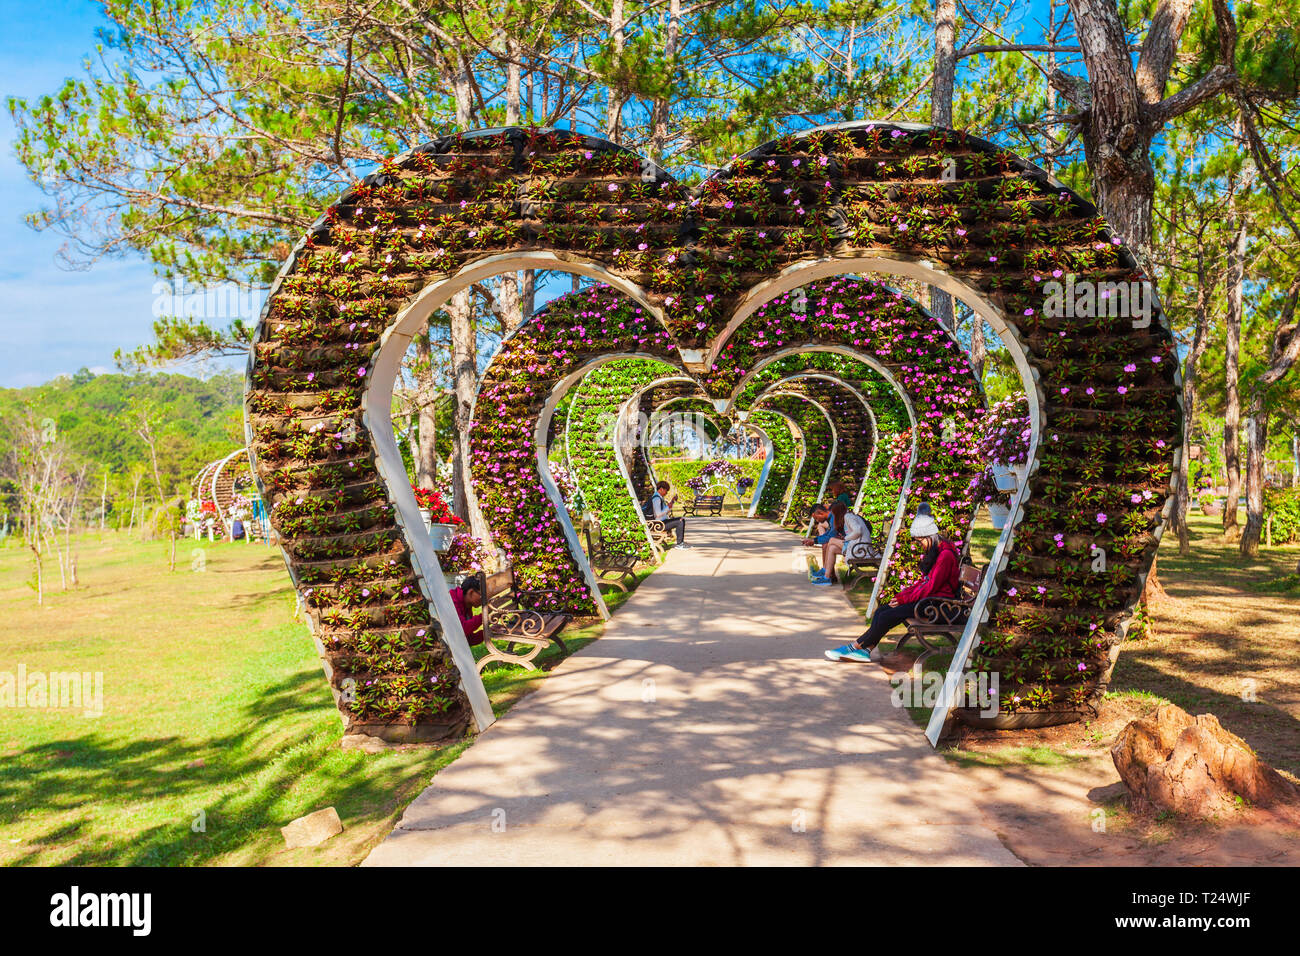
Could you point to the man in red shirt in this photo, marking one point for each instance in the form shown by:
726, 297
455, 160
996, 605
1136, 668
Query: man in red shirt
942, 576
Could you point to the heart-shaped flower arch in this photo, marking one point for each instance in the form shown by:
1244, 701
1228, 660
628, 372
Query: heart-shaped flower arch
930, 204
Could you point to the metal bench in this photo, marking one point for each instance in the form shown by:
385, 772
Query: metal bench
512, 616
862, 559
617, 556
705, 504
863, 556
943, 617
657, 531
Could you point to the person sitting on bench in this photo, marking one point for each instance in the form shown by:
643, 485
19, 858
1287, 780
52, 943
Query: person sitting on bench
660, 509
853, 527
824, 525
940, 567
468, 595
840, 492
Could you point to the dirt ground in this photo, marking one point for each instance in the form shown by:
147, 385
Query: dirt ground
1225, 641
1055, 799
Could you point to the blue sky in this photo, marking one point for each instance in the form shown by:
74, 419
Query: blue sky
54, 321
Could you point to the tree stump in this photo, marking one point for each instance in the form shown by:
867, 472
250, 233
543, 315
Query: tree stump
1192, 766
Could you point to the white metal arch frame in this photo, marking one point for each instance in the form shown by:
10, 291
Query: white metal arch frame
775, 391
801, 453
226, 522
905, 491
871, 417
619, 439
801, 274
376, 405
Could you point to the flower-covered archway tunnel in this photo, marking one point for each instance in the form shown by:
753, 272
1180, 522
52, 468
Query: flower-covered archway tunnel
853, 429
700, 265
818, 431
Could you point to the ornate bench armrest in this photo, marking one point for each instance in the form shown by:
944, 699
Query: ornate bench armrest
942, 612
861, 551
505, 617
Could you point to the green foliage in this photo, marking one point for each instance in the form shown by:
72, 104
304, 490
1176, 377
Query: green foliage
197, 421
677, 472
880, 498
786, 450
1283, 506
592, 452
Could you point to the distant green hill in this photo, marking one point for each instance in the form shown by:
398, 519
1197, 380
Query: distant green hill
197, 421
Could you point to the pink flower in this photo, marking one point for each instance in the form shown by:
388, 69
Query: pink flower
1101, 517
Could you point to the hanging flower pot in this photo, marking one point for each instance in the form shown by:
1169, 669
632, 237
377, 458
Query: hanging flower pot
998, 514
1003, 477
441, 535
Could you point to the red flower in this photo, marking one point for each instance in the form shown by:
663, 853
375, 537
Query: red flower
431, 501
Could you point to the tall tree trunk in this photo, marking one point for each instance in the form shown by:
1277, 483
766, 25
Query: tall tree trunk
1231, 364
659, 111
528, 293
1256, 451
978, 348
614, 105
509, 301
426, 402
941, 90
511, 47
1200, 338
1284, 352
413, 441
464, 371
135, 497
1123, 109
464, 353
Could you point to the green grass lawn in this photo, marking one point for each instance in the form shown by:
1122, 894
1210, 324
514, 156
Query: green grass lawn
217, 725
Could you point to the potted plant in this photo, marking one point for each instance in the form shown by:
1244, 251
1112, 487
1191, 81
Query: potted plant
986, 489
1003, 441
465, 555
438, 519
1210, 504
1004, 479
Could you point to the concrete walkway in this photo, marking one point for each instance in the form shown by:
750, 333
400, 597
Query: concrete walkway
704, 728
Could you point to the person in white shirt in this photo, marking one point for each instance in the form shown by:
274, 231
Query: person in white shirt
853, 528
660, 508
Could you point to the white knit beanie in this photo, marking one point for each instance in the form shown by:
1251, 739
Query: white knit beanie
924, 526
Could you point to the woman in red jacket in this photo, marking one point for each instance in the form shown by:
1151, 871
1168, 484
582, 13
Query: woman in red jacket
468, 595
940, 581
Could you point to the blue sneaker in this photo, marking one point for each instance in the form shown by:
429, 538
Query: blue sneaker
819, 573
850, 652
823, 583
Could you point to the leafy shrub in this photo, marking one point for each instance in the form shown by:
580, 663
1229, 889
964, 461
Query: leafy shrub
1283, 505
